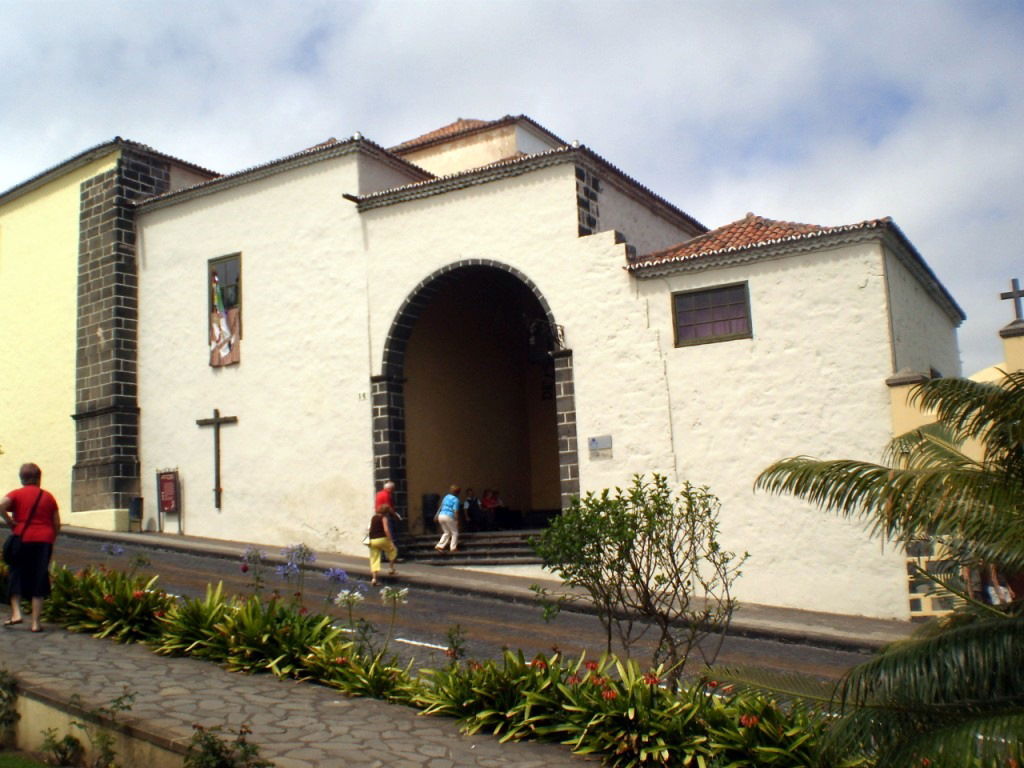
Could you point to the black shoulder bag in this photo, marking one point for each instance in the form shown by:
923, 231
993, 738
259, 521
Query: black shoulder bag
12, 547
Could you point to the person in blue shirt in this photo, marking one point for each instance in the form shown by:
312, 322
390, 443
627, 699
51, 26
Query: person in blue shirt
448, 519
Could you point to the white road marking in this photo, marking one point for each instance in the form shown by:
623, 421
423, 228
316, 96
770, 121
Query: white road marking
421, 645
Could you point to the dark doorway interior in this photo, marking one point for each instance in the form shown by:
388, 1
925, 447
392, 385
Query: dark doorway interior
479, 392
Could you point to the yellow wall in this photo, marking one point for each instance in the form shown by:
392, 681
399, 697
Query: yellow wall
38, 308
906, 416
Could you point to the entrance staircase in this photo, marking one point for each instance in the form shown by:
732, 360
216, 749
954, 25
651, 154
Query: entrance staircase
475, 548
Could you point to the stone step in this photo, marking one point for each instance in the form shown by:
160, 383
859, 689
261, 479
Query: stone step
475, 548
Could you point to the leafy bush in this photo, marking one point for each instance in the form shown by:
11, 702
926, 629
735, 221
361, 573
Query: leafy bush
354, 672
189, 628
611, 708
648, 558
272, 636
491, 697
208, 749
107, 603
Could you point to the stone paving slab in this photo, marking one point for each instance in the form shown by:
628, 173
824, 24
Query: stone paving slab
296, 725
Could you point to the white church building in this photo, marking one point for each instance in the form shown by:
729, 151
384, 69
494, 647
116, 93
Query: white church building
489, 306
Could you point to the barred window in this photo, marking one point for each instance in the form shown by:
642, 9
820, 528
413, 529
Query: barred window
712, 314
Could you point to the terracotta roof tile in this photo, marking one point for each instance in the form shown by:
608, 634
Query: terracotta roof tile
445, 132
748, 232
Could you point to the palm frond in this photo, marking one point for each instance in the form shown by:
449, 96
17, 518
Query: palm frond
787, 686
898, 739
984, 508
933, 445
971, 667
990, 412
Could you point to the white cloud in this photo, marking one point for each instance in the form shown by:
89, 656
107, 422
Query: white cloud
827, 113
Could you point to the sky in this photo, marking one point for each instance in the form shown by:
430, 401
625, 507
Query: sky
819, 112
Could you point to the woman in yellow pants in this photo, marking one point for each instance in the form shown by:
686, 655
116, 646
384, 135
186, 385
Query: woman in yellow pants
382, 541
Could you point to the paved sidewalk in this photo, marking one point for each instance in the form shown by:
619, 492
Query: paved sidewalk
296, 725
825, 630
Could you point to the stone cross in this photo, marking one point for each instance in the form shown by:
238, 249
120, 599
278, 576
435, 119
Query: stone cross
1016, 294
215, 422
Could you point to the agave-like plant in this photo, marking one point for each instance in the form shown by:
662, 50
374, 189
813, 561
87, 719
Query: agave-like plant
953, 694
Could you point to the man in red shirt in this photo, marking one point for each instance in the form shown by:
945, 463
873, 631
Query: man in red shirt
385, 495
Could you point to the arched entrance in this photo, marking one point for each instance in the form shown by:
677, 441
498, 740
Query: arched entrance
476, 389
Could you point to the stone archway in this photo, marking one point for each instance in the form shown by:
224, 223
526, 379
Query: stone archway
523, 324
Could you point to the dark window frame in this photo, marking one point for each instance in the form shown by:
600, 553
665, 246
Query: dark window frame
712, 291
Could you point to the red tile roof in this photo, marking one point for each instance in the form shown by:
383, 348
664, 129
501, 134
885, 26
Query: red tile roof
748, 232
445, 132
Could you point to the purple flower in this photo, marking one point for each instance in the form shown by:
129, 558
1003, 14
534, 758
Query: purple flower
253, 556
336, 575
299, 554
110, 548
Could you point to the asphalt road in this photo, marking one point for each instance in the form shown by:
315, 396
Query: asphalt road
422, 624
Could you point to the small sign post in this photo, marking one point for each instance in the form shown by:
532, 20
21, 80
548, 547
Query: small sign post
168, 494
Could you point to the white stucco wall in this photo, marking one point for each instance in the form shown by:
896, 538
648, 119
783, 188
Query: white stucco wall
810, 381
645, 229
322, 285
471, 151
300, 452
523, 221
182, 176
530, 141
375, 176
924, 336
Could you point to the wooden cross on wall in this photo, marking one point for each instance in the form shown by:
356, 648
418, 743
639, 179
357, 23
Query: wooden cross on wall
1016, 294
215, 422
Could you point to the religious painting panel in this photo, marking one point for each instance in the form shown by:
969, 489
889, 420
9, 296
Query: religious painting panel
224, 278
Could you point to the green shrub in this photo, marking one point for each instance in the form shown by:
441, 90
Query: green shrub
189, 628
107, 603
490, 697
347, 668
208, 749
272, 636
647, 558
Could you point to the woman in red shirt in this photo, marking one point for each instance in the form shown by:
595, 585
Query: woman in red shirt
32, 513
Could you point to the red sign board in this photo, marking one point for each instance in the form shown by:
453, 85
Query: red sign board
167, 484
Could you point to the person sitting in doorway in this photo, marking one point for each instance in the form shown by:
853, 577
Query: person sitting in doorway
471, 511
489, 509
